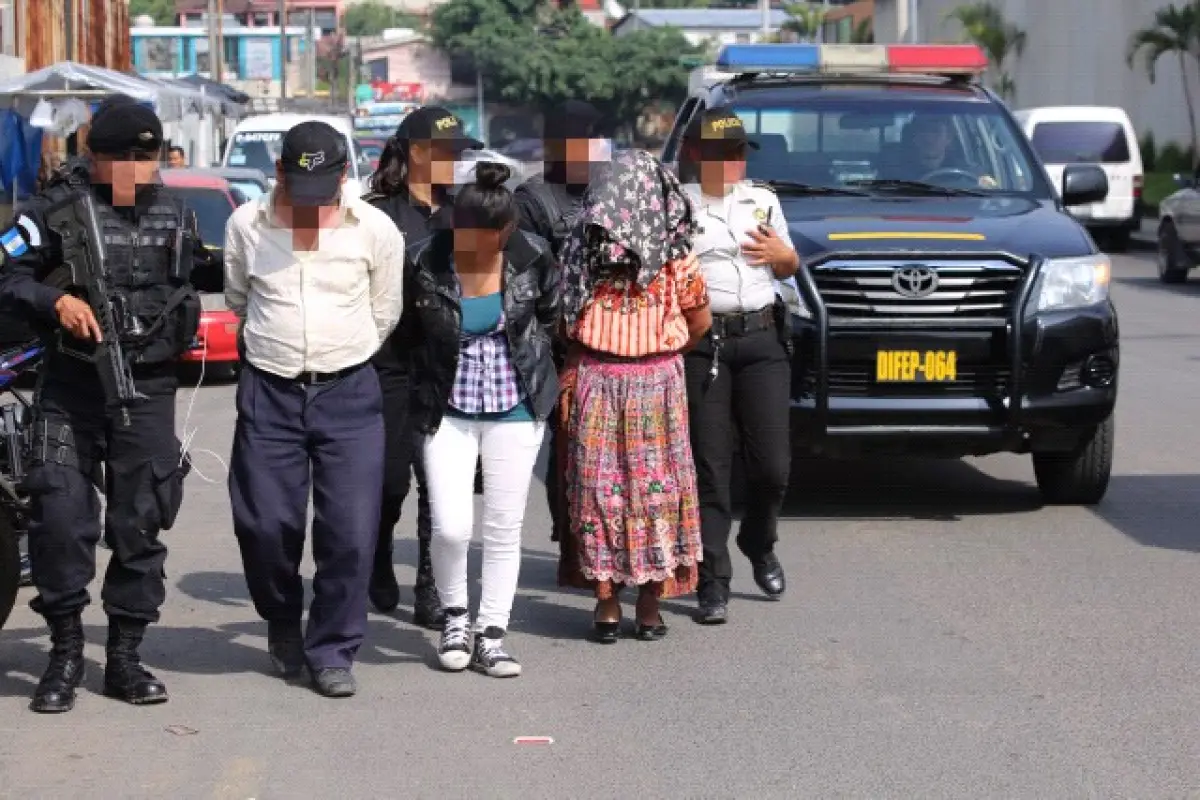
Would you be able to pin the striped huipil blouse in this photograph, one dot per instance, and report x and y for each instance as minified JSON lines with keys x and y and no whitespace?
{"x":623,"y":319}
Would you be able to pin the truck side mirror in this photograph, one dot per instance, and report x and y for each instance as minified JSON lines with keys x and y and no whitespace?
{"x":1083,"y":184}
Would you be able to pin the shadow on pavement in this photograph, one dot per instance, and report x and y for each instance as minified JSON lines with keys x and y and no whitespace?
{"x":1150,"y":282}
{"x":938,"y":490}
{"x":1155,"y":510}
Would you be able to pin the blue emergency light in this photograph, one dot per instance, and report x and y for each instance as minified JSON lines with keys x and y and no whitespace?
{"x":841,"y":59}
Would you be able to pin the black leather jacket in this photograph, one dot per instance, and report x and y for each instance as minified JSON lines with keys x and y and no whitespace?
{"x":532,"y":307}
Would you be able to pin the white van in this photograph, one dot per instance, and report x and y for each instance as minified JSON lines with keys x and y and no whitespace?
{"x":1063,"y":135}
{"x":257,"y":140}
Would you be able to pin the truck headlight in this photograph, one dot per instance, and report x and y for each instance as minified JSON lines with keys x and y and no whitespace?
{"x":1073,"y":282}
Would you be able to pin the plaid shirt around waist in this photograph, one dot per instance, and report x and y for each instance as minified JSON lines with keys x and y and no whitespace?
{"x":486,"y":381}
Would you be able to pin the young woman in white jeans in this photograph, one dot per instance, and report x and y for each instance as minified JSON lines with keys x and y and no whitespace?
{"x":487,"y":304}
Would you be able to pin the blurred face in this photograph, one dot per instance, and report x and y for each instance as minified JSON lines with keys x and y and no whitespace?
{"x":126,"y":173}
{"x":721,"y":164}
{"x":477,"y":242}
{"x":175,"y":159}
{"x":432,"y":162}
{"x":931,"y":139}
{"x":577,"y":157}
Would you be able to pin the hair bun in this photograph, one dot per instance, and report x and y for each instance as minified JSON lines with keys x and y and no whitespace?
{"x":490,"y":175}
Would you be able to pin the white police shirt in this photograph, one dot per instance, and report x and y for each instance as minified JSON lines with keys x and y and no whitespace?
{"x":724,"y":223}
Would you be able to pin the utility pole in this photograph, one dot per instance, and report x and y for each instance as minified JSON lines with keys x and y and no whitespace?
{"x":69,"y":30}
{"x":765,"y":7}
{"x":213,"y":39}
{"x":310,"y":54}
{"x":479,"y":107}
{"x":219,"y":53}
{"x":283,"y":50}
{"x":913,"y":21}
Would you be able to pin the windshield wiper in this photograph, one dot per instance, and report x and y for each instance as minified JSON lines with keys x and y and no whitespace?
{"x":796,"y":187}
{"x":916,"y":187}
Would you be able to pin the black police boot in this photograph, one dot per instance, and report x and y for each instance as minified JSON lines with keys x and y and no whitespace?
{"x":427,"y":606}
{"x":713,"y":604}
{"x":56,"y":691}
{"x":124,"y":676}
{"x":384,"y":590}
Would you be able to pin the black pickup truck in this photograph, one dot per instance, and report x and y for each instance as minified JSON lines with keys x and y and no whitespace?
{"x":947,"y":306}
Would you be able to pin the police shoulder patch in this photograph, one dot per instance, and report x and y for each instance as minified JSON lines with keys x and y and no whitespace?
{"x":29,"y":228}
{"x":13,"y":242}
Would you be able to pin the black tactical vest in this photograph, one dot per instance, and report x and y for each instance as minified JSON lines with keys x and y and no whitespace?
{"x":144,"y":264}
{"x":148,"y":268}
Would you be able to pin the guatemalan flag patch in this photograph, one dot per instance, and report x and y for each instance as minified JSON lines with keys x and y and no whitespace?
{"x":13,"y":242}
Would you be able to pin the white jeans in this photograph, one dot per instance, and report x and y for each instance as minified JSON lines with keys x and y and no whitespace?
{"x":509,"y":451}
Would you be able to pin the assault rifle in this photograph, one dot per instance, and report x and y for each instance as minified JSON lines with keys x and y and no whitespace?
{"x":78,"y":225}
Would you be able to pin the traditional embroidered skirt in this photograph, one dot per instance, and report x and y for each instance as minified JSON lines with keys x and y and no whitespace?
{"x":633,"y":513}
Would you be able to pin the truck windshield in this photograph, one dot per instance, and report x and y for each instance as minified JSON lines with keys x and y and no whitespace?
{"x":255,"y":150}
{"x":878,"y":142}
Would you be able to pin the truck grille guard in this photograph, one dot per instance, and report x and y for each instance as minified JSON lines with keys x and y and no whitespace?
{"x":811,"y":295}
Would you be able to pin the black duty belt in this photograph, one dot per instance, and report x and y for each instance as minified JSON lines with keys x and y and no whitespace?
{"x":727,"y":326}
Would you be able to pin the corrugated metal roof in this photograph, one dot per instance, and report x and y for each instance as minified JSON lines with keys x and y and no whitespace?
{"x":705,"y":18}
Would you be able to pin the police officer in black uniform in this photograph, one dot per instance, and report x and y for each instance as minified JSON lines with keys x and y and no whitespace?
{"x":152,"y":245}
{"x":411,"y":185}
{"x":547,"y":205}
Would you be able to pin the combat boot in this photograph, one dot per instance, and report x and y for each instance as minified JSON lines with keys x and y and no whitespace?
{"x":427,"y":606}
{"x":124,"y":676}
{"x":56,"y":690}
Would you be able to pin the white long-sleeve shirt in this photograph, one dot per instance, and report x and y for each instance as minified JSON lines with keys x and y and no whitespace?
{"x":313,"y":311}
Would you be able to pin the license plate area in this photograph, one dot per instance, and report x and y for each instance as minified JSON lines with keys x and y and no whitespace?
{"x":916,"y":366}
{"x":933,"y":364}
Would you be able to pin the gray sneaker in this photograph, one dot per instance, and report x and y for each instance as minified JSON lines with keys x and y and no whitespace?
{"x":490,"y":657}
{"x":454,"y":650}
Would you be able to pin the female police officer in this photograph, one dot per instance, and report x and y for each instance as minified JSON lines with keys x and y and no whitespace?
{"x":739,"y":375}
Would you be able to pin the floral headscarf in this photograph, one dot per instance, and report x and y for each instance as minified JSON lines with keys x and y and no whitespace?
{"x":634,"y":214}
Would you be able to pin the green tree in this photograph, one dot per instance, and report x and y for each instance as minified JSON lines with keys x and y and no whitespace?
{"x":985,"y":25}
{"x":163,"y":11}
{"x":803,"y":21}
{"x":1175,"y":32}
{"x":864,"y":32}
{"x":371,"y":18}
{"x":533,"y":53}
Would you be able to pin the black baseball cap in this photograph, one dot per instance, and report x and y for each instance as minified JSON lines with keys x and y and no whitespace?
{"x":314,"y":158}
{"x":718,"y":125}
{"x":574,"y":119}
{"x":434,"y":123}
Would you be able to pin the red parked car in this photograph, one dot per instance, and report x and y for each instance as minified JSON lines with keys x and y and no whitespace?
{"x":213,"y":200}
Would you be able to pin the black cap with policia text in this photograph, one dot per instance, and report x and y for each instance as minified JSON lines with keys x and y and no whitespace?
{"x":432,"y":123}
{"x":314,"y":159}
{"x":718,"y":125}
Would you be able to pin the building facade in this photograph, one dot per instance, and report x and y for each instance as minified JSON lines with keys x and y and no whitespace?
{"x":1074,"y":55}
{"x":251,"y":56}
{"x":700,"y":26}
{"x":37,"y":33}
{"x":265,"y":13}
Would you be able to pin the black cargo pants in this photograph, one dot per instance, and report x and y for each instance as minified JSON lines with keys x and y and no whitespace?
{"x":402,"y":460}
{"x":748,"y":395}
{"x":78,"y":447}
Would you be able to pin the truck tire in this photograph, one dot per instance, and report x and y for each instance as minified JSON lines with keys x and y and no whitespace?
{"x":1079,"y":477}
{"x":1170,"y":270}
{"x":10,"y":567}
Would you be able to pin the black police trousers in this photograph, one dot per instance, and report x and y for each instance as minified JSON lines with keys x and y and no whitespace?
{"x":748,"y":396}
{"x":77,"y":447}
{"x":402,"y":459}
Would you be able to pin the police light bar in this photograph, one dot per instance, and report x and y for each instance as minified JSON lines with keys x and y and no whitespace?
{"x":841,"y":59}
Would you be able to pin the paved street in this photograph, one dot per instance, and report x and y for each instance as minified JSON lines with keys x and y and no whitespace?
{"x":943,"y":636}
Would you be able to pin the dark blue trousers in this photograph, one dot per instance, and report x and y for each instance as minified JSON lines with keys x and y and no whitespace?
{"x":291,"y":437}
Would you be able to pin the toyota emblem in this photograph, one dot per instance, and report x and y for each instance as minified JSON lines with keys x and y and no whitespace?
{"x":915,"y":281}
